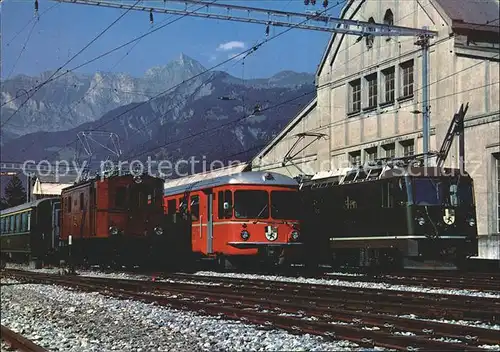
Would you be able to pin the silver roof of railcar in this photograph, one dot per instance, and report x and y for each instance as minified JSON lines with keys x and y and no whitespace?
{"x":29,"y":205}
{"x":241,"y":178}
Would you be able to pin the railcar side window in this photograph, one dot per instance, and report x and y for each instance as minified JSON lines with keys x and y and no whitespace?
{"x":81,"y":200}
{"x":225,"y":197}
{"x":195,"y":208}
{"x":24,"y":224}
{"x":12,"y":219}
{"x":18,"y":222}
{"x":69,"y":204}
{"x":29,"y":221}
{"x":2,"y":225}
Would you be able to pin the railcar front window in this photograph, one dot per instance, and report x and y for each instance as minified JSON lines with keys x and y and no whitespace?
{"x":428,"y":192}
{"x":465,"y":194}
{"x":251,"y":205}
{"x":284,"y":205}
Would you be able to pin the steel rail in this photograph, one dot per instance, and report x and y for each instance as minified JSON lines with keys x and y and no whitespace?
{"x":19,"y":342}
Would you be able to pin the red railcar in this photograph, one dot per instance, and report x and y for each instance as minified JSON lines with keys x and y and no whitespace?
{"x":112,"y":220}
{"x":235,"y":218}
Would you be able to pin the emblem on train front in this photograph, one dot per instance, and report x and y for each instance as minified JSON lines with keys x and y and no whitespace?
{"x":449,"y":216}
{"x":271,"y":233}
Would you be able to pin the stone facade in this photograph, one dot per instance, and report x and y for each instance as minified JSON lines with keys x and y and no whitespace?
{"x":369,"y":94}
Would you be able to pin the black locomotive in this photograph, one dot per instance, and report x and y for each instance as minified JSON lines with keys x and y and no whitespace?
{"x":390,"y":215}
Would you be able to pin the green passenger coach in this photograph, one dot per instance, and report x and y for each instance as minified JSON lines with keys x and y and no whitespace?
{"x":30,"y":231}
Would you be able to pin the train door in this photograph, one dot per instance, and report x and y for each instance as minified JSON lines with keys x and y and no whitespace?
{"x":196,"y":223}
{"x":56,"y":224}
{"x":209,"y":215}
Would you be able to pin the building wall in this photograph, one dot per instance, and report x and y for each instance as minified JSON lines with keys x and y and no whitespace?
{"x":457,"y":74}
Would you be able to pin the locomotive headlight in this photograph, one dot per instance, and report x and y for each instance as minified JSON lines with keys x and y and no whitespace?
{"x":113,"y":230}
{"x":158,"y":230}
{"x":421,"y":221}
{"x":471,"y":222}
{"x":245,"y":235}
{"x":294,"y":235}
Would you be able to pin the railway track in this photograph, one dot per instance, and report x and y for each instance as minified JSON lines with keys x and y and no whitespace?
{"x":479,"y":282}
{"x":446,"y":306}
{"x":19,"y":342}
{"x":335,"y":314}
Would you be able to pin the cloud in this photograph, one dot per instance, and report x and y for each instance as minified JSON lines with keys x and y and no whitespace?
{"x":231,"y":45}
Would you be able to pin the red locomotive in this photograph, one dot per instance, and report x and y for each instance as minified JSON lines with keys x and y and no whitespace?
{"x":236,"y":218}
{"x":112,"y":220}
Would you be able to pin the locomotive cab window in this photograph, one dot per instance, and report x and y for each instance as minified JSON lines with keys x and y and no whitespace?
{"x":81,"y":201}
{"x":121,"y":197}
{"x":251,"y":205}
{"x":195,"y":208}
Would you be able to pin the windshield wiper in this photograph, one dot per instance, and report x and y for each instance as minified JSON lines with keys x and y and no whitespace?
{"x":260,"y":213}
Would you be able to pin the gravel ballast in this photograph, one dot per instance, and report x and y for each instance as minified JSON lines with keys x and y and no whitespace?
{"x":64,"y":320}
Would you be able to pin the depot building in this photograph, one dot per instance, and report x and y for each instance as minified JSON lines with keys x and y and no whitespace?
{"x":369,"y":98}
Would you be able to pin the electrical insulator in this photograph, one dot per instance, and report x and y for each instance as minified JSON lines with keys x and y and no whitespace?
{"x":36,"y":7}
{"x":267,"y":30}
{"x":306,"y":2}
{"x":151,"y":16}
{"x":325,"y":3}
{"x":313,"y":2}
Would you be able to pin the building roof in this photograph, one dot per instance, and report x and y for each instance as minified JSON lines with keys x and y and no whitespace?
{"x":476,"y":12}
{"x":49,"y":188}
{"x":52,"y":178}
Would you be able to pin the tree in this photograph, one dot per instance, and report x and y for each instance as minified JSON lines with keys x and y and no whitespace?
{"x":3,"y":203}
{"x":15,"y":193}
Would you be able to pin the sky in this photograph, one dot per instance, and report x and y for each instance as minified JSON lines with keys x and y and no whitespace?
{"x":62,"y":30}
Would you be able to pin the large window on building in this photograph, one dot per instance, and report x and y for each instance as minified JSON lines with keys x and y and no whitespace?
{"x":355,"y":96}
{"x":408,"y":147}
{"x":371,"y":154}
{"x":355,"y":158}
{"x":407,"y":79}
{"x":370,"y":38}
{"x":371,"y":83}
{"x":388,"y":84}
{"x":389,"y":150}
{"x":389,"y":18}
